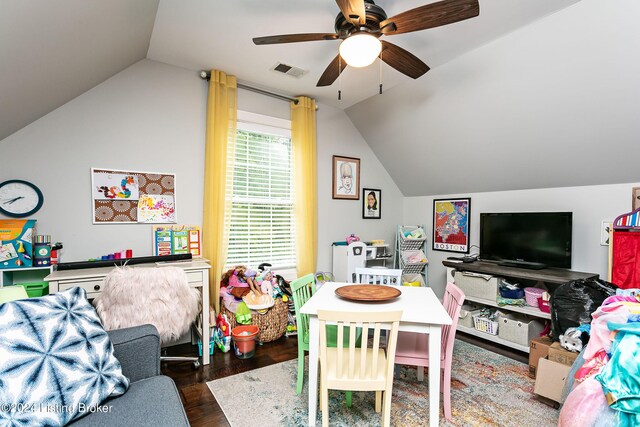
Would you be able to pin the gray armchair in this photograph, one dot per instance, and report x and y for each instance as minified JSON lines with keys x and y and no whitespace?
{"x":152,"y":398}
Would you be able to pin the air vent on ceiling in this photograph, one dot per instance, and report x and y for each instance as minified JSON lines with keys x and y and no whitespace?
{"x":289,"y":70}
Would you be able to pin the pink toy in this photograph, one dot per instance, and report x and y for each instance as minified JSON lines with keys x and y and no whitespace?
{"x":266,"y":282}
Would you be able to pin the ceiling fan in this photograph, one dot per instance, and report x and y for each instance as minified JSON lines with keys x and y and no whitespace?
{"x":361,"y":23}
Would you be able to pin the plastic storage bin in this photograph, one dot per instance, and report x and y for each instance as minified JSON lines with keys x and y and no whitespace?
{"x":409,"y":243}
{"x":412,"y":279}
{"x":35,"y":289}
{"x":484,"y":324}
{"x":474,"y":285}
{"x":212,"y":345}
{"x":520,"y":329}
{"x":511,"y":293}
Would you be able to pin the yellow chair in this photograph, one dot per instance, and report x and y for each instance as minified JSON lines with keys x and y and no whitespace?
{"x":12,"y":293}
{"x":358,"y":369}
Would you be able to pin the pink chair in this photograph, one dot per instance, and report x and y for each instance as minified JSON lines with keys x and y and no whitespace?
{"x":413,"y":349}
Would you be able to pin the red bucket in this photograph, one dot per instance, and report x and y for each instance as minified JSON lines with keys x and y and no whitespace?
{"x":244,"y":340}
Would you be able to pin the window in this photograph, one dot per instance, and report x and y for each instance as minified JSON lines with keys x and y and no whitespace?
{"x":262,"y":228}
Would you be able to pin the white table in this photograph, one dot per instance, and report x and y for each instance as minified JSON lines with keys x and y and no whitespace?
{"x":422,"y":313}
{"x":92,"y":279}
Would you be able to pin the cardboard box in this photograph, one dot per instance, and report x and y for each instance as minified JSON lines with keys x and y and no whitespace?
{"x":538,"y":349}
{"x":16,"y":242}
{"x":561,"y":355}
{"x":550,"y":379}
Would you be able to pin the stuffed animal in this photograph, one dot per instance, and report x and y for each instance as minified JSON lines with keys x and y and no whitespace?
{"x":574,"y":338}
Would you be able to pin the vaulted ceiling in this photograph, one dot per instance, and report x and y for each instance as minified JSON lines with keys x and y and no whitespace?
{"x":52,"y":51}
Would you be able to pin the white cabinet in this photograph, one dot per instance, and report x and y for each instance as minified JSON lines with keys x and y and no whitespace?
{"x":377,"y":255}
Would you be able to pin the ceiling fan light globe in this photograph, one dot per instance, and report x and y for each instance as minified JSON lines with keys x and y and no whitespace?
{"x":360,"y":50}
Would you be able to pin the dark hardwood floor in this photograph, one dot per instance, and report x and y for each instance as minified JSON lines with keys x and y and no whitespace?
{"x":200,"y":405}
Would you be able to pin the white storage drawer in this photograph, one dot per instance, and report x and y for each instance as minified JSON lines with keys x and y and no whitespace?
{"x":475,"y":285}
{"x":519,"y":328}
{"x":194,"y":276}
{"x":91,"y":285}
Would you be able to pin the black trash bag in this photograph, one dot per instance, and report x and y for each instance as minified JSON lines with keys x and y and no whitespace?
{"x":572,"y":303}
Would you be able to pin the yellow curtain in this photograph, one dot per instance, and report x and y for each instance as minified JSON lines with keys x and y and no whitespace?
{"x":303,"y":142}
{"x":219,"y":155}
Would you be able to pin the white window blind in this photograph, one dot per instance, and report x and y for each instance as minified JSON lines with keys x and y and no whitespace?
{"x":261,"y":228}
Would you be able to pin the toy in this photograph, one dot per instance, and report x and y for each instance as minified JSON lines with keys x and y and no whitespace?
{"x":266,"y":281}
{"x":575,"y":338}
{"x":222,"y":333}
{"x":240,"y":281}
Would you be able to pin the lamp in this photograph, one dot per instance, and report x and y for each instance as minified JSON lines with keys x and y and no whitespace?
{"x":360,"y":49}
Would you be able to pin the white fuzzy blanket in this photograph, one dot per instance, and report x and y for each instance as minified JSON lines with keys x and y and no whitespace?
{"x":158,"y":296}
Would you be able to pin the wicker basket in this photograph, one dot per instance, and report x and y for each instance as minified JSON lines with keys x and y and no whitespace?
{"x":272,"y":324}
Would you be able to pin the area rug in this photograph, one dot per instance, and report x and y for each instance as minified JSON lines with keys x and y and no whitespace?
{"x":487,"y":390}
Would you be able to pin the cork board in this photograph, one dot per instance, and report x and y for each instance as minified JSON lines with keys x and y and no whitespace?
{"x":132,"y":197}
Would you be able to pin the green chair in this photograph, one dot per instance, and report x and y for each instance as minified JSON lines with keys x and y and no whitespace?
{"x":12,"y":293}
{"x":302,"y":289}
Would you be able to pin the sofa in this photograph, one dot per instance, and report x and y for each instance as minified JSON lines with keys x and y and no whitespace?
{"x":152,"y":398}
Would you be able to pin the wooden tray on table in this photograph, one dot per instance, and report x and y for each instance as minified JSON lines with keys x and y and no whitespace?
{"x":368,"y":293}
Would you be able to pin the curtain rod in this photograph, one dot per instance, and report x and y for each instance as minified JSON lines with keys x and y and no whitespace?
{"x":206,"y":75}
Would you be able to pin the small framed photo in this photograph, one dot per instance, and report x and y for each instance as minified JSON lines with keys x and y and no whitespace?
{"x":451,"y":225}
{"x":371,"y":203}
{"x":635,"y":202}
{"x":346,"y":178}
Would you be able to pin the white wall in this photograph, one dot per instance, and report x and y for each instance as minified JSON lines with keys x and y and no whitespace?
{"x":553,"y":104}
{"x":590,"y":206}
{"x":151,"y":117}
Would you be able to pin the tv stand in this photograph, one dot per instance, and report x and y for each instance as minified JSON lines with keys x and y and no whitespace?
{"x":522,"y":264}
{"x":550,"y":276}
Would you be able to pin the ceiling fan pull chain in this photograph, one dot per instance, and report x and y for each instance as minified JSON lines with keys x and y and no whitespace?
{"x":339,"y":78}
{"x":380,"y":72}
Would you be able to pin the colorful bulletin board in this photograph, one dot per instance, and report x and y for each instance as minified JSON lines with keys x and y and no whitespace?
{"x":177,"y":239}
{"x":132,"y":197}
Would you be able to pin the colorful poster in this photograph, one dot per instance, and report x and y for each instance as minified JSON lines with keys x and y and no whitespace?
{"x":177,"y":239}
{"x":156,"y":208}
{"x":114,"y":186}
{"x":451,"y":225}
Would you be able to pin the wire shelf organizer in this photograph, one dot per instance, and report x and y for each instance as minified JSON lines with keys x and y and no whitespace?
{"x":410,"y":254}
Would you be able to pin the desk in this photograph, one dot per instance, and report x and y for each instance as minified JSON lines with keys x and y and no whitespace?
{"x":92,"y":279}
{"x":422,"y":313}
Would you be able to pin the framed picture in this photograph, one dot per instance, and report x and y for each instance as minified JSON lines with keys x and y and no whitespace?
{"x":635,"y":203}
{"x":346,"y":178}
{"x":451,"y":225}
{"x":371,"y":203}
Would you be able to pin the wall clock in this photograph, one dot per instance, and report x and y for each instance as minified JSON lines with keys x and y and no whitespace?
{"x":19,"y":198}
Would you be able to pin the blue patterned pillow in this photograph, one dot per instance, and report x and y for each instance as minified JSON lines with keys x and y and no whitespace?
{"x":56,"y":360}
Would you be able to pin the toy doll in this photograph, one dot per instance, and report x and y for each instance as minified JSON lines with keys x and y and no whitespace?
{"x":265,"y":280}
{"x":240,"y":281}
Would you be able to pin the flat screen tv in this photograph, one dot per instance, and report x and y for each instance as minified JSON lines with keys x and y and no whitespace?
{"x":527,"y":239}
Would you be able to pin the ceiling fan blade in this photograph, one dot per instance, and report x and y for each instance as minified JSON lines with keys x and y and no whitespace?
{"x":430,"y":16}
{"x":332,"y":72}
{"x":293,"y":38}
{"x":353,"y":10}
{"x":402,"y":60}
